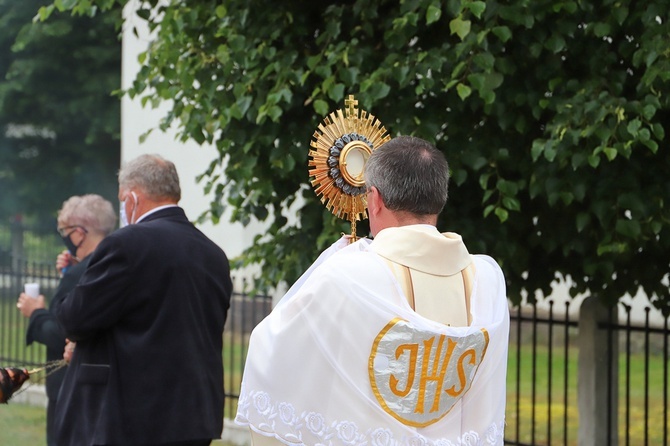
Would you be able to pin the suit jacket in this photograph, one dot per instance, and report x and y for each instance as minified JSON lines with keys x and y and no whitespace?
{"x":43,"y":326}
{"x":45,"y":329}
{"x":148,"y":317}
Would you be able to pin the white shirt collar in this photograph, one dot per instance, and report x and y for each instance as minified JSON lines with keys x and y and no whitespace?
{"x":155,"y":210}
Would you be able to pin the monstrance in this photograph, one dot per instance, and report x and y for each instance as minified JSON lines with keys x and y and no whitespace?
{"x":342,"y":144}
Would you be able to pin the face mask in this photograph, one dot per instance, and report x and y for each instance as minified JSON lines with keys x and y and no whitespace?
{"x":123,"y":218}
{"x":67,"y":241}
{"x":69,"y":244}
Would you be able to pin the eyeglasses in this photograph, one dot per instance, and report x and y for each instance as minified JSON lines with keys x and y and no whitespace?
{"x":62,"y":231}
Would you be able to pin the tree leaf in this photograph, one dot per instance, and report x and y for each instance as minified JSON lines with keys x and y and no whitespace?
{"x":476,"y":8}
{"x":651,"y":144}
{"x":628,"y":228}
{"x":485,"y":61}
{"x":502,"y":32}
{"x":460,"y":27}
{"x":463,"y":91}
{"x":336,"y":92}
{"x":321,"y":107}
{"x":582,"y":220}
{"x":601,"y":29}
{"x":511,"y":203}
{"x":658,"y":130}
{"x":633,"y":126}
{"x":433,"y":13}
{"x":379,"y":90}
{"x":502,"y":214}
{"x":610,"y":152}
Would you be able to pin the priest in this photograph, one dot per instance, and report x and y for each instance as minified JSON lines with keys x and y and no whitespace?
{"x":398,"y":340}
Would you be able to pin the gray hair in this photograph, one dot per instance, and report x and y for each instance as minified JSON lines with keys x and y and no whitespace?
{"x":154,"y":175}
{"x":410,"y":174}
{"x":90,"y":211}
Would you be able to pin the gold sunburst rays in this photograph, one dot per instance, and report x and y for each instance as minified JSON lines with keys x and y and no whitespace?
{"x":341,"y":146}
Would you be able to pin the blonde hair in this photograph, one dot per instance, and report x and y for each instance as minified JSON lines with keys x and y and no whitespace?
{"x":90,"y":211}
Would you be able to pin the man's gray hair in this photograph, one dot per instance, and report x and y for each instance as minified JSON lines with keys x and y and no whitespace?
{"x":410,"y":174}
{"x":154,"y":175}
{"x":90,"y":211}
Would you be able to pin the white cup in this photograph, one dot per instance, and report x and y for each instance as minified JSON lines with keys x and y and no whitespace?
{"x":32,"y":290}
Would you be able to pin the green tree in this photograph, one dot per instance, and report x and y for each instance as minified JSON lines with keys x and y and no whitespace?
{"x":60,"y":124}
{"x":551,"y":113}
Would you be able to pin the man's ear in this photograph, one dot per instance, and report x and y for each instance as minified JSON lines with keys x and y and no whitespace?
{"x":374,"y":201}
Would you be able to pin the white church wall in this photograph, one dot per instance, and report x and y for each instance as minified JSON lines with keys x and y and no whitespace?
{"x":190,"y":158}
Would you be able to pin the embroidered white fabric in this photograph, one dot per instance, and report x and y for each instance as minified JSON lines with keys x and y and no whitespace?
{"x":307,"y":379}
{"x":282,"y":417}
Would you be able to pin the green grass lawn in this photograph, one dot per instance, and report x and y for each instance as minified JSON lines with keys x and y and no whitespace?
{"x":24,"y":425}
{"x":533,"y":423}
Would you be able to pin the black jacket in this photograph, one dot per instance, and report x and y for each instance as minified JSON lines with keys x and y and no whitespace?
{"x":148,"y":317}
{"x":43,"y":326}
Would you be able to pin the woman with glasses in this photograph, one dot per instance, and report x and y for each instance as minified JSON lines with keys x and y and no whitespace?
{"x":83,"y":221}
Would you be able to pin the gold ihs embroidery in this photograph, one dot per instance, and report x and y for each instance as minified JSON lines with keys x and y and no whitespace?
{"x":418,"y":376}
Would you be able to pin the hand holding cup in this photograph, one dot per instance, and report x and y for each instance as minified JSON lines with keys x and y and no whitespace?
{"x":30,"y":300}
{"x":32,"y":290}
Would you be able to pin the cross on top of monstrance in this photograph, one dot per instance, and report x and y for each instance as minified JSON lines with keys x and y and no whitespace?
{"x":342,"y":144}
{"x":351,"y":104}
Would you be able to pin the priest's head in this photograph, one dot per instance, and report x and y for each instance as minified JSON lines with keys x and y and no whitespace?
{"x":407,"y":183}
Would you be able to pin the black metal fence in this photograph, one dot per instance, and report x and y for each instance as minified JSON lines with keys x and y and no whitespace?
{"x":246,"y":311}
{"x":540,"y":380}
{"x":25,"y":256}
{"x":644,"y":347}
{"x":543,"y":405}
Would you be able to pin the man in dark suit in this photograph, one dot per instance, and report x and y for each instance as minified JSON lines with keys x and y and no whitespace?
{"x":147,"y":318}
